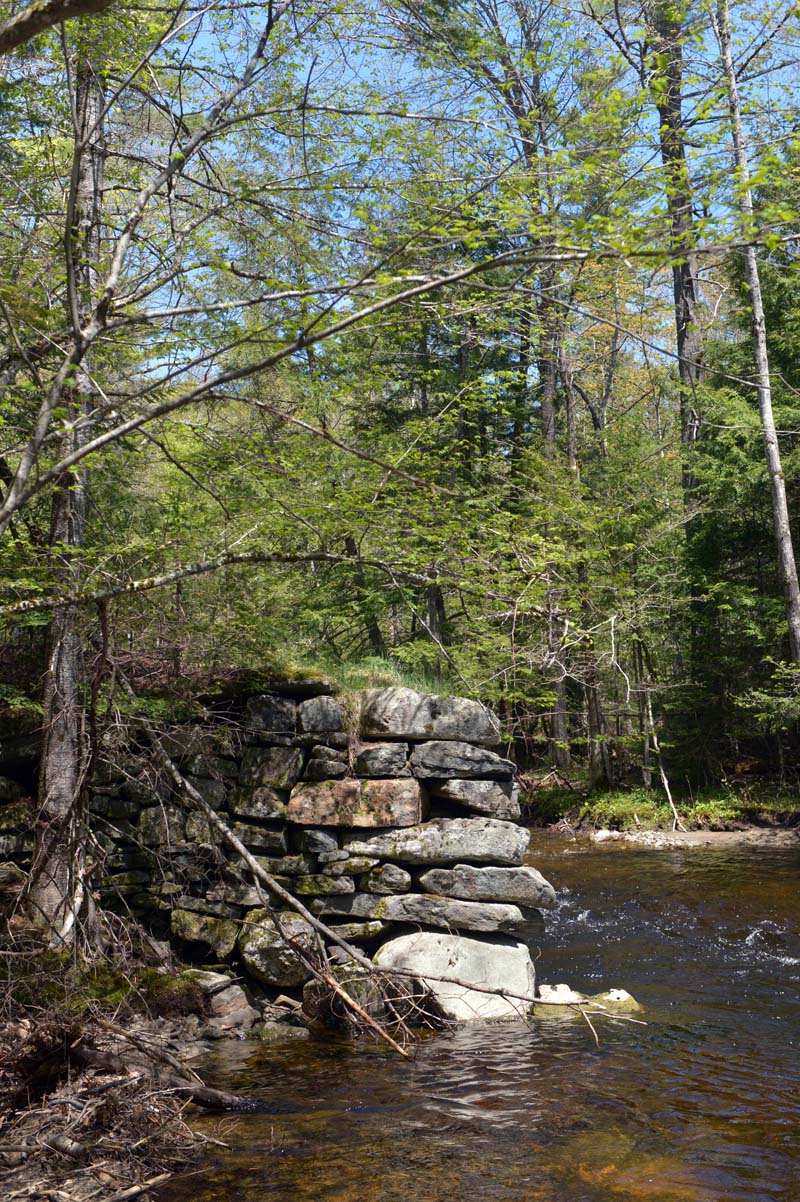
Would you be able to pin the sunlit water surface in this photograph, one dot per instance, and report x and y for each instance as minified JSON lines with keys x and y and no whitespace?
{"x":701,"y":1105}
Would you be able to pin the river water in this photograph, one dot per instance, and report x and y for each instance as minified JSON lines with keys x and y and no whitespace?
{"x":700,"y":1105}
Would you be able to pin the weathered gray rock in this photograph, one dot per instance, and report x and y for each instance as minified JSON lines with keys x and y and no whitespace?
{"x":456,"y":759}
{"x":216,"y":767}
{"x":260,"y":838}
{"x":213,"y":792}
{"x":160,"y":825}
{"x":496,"y":963}
{"x":332,"y":739}
{"x":217,"y":934}
{"x":316,"y":843}
{"x":183,"y":742}
{"x":275,"y":767}
{"x":319,"y":768}
{"x":324,"y":752}
{"x":10,"y":790}
{"x":10,"y":875}
{"x":265,"y":952}
{"x":349,"y":866}
{"x":278,"y":1032}
{"x":320,"y":714}
{"x":321,"y":886}
{"x":335,"y":856}
{"x":382,"y":759}
{"x":425,"y":910}
{"x":300,"y":865}
{"x":360,"y":803}
{"x":520,"y":886}
{"x":500,"y":799}
{"x":230,"y":1009}
{"x":113,"y":807}
{"x":402,"y":713}
{"x":278,"y":715}
{"x":389,"y":878}
{"x":447,"y":840}
{"x":199,"y":905}
{"x":262,"y":802}
{"x":209,"y":982}
{"x":357,"y":932}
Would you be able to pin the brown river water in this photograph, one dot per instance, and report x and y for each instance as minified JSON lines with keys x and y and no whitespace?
{"x":701,"y":1105}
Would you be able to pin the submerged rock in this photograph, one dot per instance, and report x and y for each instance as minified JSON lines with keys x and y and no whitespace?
{"x":497,"y":963}
{"x":556,"y":1000}
{"x":448,"y":840}
{"x":520,"y":886}
{"x":402,"y":713}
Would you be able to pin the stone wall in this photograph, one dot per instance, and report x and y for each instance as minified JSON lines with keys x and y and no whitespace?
{"x":397,"y":823}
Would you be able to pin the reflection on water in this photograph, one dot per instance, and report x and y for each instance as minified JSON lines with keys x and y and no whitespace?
{"x":702,"y":1105}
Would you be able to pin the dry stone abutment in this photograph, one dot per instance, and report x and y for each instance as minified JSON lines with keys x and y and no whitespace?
{"x":403,"y":837}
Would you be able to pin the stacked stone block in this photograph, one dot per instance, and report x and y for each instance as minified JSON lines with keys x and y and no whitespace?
{"x":397,"y":822}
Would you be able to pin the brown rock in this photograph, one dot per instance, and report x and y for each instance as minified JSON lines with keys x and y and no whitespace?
{"x":359,"y":803}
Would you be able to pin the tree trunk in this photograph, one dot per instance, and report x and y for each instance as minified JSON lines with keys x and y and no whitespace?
{"x":59,"y":897}
{"x":667,"y":35}
{"x":780,"y":510}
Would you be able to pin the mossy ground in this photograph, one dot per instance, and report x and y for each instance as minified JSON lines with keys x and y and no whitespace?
{"x":648,"y":809}
{"x":58,"y":981}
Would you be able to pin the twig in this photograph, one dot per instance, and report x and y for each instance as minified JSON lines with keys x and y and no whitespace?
{"x":136,"y":1191}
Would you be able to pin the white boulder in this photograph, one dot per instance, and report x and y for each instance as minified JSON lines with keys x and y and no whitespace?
{"x":497,"y":963}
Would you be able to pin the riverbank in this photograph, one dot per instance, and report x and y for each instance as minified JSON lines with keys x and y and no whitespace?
{"x":744,"y":813}
{"x":96,"y":1071}
{"x":673,"y":840}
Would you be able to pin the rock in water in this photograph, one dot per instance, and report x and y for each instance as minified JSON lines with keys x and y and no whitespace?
{"x":520,"y":886}
{"x":401,"y":713}
{"x":441,"y":759}
{"x":495,"y":962}
{"x":446,"y":841}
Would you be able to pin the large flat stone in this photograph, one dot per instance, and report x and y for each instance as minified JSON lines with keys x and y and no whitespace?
{"x":424,"y":910}
{"x":265,"y":951}
{"x":440,"y":758}
{"x":500,"y":799}
{"x":519,"y":886}
{"x":447,"y":841}
{"x":359,"y":803}
{"x":497,"y":963}
{"x":401,"y":713}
